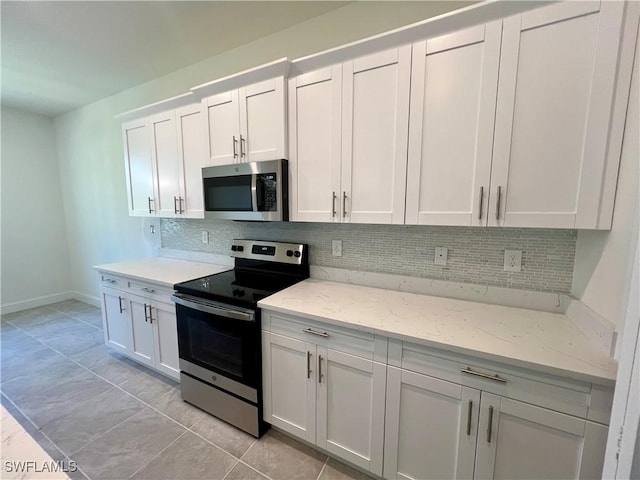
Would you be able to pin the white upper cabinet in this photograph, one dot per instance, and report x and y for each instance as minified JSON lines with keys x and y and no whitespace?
{"x":558,"y":71}
{"x":349,"y":127}
{"x":191,"y":159}
{"x":164,"y":152}
{"x":247,"y":125}
{"x":515,"y":123}
{"x":315,"y":133}
{"x":164,"y":155}
{"x":139,"y":168}
{"x":375,"y":117}
{"x":454,"y":79}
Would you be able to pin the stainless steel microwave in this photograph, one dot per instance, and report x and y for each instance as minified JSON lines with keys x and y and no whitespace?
{"x":247,"y":191}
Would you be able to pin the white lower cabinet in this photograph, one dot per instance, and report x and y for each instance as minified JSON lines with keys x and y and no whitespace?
{"x":517,"y":440}
{"x":437,"y":429}
{"x":115,"y":320}
{"x":142,"y":325}
{"x":330,"y":398}
{"x":431,"y":427}
{"x":406,"y":411}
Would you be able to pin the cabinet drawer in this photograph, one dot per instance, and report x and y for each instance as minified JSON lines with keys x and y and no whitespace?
{"x":150,"y":290}
{"x":560,"y":394}
{"x":114,"y":281}
{"x":361,"y":344}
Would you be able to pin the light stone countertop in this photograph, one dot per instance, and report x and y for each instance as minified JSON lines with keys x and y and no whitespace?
{"x":162,"y":271}
{"x":541,"y":341}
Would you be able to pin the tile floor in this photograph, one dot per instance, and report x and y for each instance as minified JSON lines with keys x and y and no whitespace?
{"x":81,"y":401}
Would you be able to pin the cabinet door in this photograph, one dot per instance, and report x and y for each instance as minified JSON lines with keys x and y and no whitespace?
{"x":431,"y":427}
{"x":263,"y":121}
{"x":516,"y":440}
{"x":557,"y":80}
{"x":191,"y":159}
{"x":350,"y":417}
{"x":142,"y":346}
{"x":222,"y":130}
{"x":164,"y":151}
{"x":375,"y":118}
{"x":165,"y":335}
{"x":289,"y":385}
{"x":453,"y":96}
{"x":136,"y":138}
{"x":115,"y":321}
{"x":315,"y":105}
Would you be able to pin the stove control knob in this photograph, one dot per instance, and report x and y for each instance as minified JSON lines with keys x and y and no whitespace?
{"x":296,"y":254}
{"x":234,"y":248}
{"x":240,"y":248}
{"x":289,"y":253}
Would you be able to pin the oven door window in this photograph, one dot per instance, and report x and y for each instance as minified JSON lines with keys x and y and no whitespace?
{"x":228,"y":194}
{"x":227,"y":346}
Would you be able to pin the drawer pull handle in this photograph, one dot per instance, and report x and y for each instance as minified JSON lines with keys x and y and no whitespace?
{"x":490,"y":424}
{"x":109,"y":280}
{"x":308,"y":365}
{"x":469,"y":418}
{"x":495,"y":377}
{"x":313,"y":332}
{"x":148,"y":290}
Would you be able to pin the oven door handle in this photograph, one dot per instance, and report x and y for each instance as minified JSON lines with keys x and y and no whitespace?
{"x":214,"y":308}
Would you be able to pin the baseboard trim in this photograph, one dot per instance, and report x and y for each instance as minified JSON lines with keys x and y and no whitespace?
{"x":35,"y":302}
{"x":83,"y":297}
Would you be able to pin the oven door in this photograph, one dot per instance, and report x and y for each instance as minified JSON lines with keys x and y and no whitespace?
{"x":219,"y":344}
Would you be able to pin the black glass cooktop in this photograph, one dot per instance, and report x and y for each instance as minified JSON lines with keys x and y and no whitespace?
{"x":237,"y":287}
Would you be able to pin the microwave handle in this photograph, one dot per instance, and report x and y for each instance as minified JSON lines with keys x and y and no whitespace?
{"x":254,"y":192}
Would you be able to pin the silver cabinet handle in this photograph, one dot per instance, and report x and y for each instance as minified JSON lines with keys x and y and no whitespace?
{"x":150,"y":314}
{"x":120,"y":304}
{"x":150,"y":200}
{"x":490,"y":424}
{"x":308,"y":364}
{"x":498,"y":203}
{"x":148,"y":290}
{"x":314,"y":332}
{"x":481,"y":197}
{"x":242,"y":144}
{"x":110,"y":280}
{"x":235,"y":151}
{"x":344,"y":204}
{"x":495,"y":377}
{"x":181,"y":203}
{"x":319,"y":368}
{"x":469,"y":414}
{"x":146,"y":315}
{"x":175,"y":205}
{"x":333,"y":205}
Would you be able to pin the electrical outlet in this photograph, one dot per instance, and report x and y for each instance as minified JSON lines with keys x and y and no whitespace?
{"x":205,"y":237}
{"x":513,"y":260}
{"x":440,"y":257}
{"x":336,"y":248}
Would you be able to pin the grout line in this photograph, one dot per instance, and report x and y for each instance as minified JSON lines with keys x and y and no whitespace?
{"x":229,"y":471}
{"x":323,"y":468}
{"x":158,"y":454}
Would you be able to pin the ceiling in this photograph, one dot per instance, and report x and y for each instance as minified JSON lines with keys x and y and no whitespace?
{"x":60,"y":55}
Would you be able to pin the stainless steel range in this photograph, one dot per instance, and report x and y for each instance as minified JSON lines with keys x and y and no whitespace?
{"x":219,"y":329}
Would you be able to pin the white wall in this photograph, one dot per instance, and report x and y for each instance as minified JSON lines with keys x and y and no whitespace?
{"x":90,"y":144}
{"x":35,"y":258}
{"x":603,"y":261}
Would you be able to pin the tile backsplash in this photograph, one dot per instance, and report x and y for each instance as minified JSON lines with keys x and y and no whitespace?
{"x":475,"y":255}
